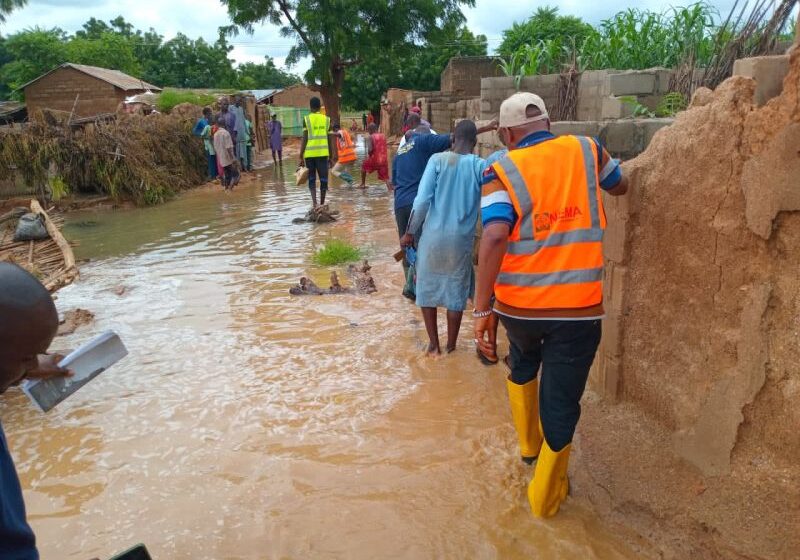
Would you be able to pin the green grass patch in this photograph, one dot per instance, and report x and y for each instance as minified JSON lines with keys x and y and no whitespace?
{"x":336,"y":251}
{"x":170,"y":98}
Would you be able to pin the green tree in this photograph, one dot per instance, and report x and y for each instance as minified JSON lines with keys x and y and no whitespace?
{"x":263,"y":75}
{"x":33,"y":52}
{"x":416,"y":67}
{"x":343,"y":34}
{"x":543,"y":26}
{"x":109,"y":50}
{"x":8,"y":6}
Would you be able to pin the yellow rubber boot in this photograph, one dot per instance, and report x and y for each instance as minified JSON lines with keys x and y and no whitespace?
{"x":550,"y":484}
{"x":524,"y":400}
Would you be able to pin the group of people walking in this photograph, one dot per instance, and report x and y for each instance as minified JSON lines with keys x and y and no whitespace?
{"x":540,"y":263}
{"x":323,"y":144}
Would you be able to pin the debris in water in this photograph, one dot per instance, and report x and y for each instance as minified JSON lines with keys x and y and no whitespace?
{"x":73,"y":319}
{"x":319,"y":215}
{"x":362,"y":280}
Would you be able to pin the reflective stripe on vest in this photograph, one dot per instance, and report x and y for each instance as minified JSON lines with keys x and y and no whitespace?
{"x":554,"y":256}
{"x":317,"y":126}
{"x":347,"y":150}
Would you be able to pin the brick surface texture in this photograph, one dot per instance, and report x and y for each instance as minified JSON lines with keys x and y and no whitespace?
{"x":58,"y":90}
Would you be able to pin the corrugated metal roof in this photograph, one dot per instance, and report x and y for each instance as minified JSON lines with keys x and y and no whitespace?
{"x":260,"y":94}
{"x":113,"y":77}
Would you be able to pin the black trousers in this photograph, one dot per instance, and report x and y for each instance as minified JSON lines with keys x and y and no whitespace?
{"x":565,"y":351}
{"x":317,"y":166}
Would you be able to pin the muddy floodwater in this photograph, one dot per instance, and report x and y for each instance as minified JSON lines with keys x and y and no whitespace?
{"x":248,"y":423}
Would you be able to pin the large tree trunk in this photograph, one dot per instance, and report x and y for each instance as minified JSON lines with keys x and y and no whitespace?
{"x":330,"y":98}
{"x":330,"y":90}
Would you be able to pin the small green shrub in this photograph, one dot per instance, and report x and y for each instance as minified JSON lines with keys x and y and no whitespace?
{"x":336,"y":251}
{"x":58,"y":187}
{"x":170,"y":98}
{"x":639,"y":110}
{"x":671,"y":104}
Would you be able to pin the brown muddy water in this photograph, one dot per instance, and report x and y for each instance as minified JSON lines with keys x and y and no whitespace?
{"x":247,"y":423}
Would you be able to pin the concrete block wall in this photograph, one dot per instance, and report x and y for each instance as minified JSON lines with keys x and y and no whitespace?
{"x":462,"y":76}
{"x":768,"y":72}
{"x":599,"y":92}
{"x":624,"y":139}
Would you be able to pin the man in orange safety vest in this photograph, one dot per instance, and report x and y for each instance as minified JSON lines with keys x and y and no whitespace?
{"x":541,"y":258}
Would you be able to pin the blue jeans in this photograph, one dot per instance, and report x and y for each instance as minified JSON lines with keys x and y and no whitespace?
{"x":565,"y":351}
{"x":212,"y":165}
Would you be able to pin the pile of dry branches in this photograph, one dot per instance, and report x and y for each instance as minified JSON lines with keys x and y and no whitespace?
{"x":143,"y":158}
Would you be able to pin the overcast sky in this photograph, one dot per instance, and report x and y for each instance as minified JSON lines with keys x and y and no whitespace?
{"x":202,"y":18}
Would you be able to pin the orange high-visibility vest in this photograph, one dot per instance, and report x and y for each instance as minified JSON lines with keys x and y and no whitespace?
{"x":554,"y":258}
{"x":347,"y":150}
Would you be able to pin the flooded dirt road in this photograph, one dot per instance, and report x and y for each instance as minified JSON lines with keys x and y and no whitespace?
{"x":247,"y":423}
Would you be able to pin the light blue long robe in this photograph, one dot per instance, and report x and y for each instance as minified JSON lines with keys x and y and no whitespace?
{"x":446,"y":210}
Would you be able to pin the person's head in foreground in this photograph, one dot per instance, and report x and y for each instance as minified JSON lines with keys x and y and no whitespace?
{"x":413,"y":120}
{"x":221,"y":123}
{"x":207,"y":113}
{"x":521,"y":114}
{"x":224,"y":103}
{"x":28,"y":323}
{"x":315,"y":104}
{"x":372,"y":128}
{"x":465,"y":137}
{"x":336,"y":127}
{"x":275,"y":116}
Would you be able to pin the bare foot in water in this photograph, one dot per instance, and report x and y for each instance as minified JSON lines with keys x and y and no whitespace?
{"x":450,"y":349}
{"x":433,"y":351}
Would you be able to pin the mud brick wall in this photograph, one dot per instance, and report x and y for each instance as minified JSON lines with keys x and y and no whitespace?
{"x":462,"y":75}
{"x":57,"y":91}
{"x":294,"y":96}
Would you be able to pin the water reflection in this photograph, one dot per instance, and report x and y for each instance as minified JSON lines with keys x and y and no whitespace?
{"x":246,"y":423}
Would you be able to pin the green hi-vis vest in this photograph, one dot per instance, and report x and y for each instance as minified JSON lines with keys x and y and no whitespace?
{"x":317,"y":126}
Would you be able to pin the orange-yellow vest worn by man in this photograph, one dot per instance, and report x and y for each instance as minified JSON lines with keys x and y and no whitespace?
{"x":549,"y":291}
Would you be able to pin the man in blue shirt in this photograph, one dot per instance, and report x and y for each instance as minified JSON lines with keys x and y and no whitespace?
{"x":28,"y":323}
{"x":409,"y":165}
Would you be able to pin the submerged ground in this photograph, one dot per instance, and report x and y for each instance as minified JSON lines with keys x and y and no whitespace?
{"x":247,"y":423}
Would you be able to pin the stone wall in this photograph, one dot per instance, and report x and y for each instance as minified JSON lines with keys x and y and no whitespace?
{"x":462,"y":76}
{"x":58,"y":90}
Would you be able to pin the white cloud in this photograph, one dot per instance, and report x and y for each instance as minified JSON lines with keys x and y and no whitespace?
{"x":203,"y":17}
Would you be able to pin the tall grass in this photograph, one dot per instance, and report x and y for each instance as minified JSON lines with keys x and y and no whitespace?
{"x":633,"y":39}
{"x":336,"y":251}
{"x":170,"y":98}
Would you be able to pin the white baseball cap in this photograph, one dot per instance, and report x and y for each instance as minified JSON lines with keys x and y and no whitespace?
{"x":513,"y":111}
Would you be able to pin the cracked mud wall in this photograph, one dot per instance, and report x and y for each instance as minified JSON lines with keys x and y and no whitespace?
{"x":701,"y":349}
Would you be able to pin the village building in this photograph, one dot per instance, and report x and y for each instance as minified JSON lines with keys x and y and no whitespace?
{"x":83,"y":90}
{"x":297,"y":95}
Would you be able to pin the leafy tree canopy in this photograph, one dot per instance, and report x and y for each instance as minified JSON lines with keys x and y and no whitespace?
{"x":416,"y":67}
{"x":179,"y":62}
{"x":544,"y":25}
{"x":8,"y":6}
{"x":338,"y":36}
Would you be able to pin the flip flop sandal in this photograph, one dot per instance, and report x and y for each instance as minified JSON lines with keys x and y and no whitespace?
{"x":486,"y":360}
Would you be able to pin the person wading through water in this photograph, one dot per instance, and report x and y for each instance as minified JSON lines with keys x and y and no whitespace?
{"x":316,"y":150}
{"x":345,"y":154}
{"x":447,"y":203}
{"x":541,"y":254}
